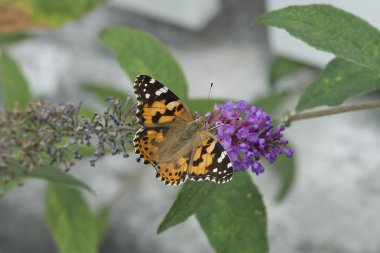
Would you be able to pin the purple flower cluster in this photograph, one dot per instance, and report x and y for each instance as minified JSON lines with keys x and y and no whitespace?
{"x":247,"y":134}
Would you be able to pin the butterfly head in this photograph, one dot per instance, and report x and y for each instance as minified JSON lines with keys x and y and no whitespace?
{"x":200,"y":121}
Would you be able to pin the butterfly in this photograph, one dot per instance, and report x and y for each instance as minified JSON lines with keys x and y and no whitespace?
{"x":173,"y":141}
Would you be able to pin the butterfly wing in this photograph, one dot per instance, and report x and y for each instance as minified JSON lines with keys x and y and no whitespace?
{"x":156,"y":104}
{"x":147,"y":142}
{"x":210,"y":161}
{"x":158,"y":111}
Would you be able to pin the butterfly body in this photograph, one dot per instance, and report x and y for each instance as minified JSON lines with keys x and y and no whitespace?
{"x":173,"y":141}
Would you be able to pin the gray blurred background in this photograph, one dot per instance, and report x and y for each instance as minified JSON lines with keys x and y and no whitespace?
{"x":334,"y":205}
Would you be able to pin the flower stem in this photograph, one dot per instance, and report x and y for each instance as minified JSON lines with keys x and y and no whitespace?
{"x":336,"y":110}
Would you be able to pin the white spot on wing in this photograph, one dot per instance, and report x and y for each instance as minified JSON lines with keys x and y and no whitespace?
{"x":215,"y":170}
{"x":220,"y":159}
{"x":162,"y":90}
{"x":147,"y":95}
{"x":152,"y":80}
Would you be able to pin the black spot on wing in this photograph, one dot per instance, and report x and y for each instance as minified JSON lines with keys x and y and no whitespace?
{"x":200,"y":159}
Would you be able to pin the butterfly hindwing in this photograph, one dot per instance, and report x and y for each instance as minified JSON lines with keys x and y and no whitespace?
{"x":156,"y":104}
{"x":175,"y":172}
{"x":147,"y":141}
{"x":210,"y":161}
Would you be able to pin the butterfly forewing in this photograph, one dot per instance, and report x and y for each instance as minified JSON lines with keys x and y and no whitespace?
{"x":156,"y":104}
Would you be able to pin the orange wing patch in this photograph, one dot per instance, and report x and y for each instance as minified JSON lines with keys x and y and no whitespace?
{"x":202,"y":159}
{"x":146,"y":143}
{"x":159,"y":112}
{"x":210,"y":161}
{"x":173,"y":173}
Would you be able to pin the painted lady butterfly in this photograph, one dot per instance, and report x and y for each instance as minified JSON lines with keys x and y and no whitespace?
{"x":173,"y":141}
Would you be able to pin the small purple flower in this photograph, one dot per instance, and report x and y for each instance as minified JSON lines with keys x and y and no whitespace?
{"x":247,"y":134}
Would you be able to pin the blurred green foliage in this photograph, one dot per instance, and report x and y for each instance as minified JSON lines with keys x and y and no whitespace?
{"x":15,"y":89}
{"x":74,"y":227}
{"x":282,"y":67}
{"x":351,"y":39}
{"x":57,"y":12}
{"x":140,"y":53}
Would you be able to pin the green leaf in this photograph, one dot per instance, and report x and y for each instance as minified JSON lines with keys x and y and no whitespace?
{"x":103,"y":91}
{"x":101,"y":220}
{"x":282,"y":67}
{"x":57,"y":176}
{"x":234,"y":217}
{"x":140,"y":53}
{"x":330,"y":29}
{"x":46,"y":172}
{"x":57,"y":12}
{"x":339,"y":81}
{"x":16,"y":91}
{"x":272,"y":102}
{"x":191,"y":196}
{"x":202,"y":106}
{"x":6,"y":39}
{"x":70,"y":220}
{"x":287,"y":172}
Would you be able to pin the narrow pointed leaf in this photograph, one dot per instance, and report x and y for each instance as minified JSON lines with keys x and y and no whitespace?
{"x":329,"y":29}
{"x":140,"y":53}
{"x":49,"y":173}
{"x":287,"y":172}
{"x":57,"y":176}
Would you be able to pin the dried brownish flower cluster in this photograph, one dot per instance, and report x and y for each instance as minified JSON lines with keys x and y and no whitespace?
{"x":46,"y":134}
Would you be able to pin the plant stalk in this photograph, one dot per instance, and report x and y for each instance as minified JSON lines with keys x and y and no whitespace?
{"x":330,"y":111}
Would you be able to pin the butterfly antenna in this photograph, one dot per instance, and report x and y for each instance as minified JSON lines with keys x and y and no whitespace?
{"x":214,"y":127}
{"x":209,"y":92}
